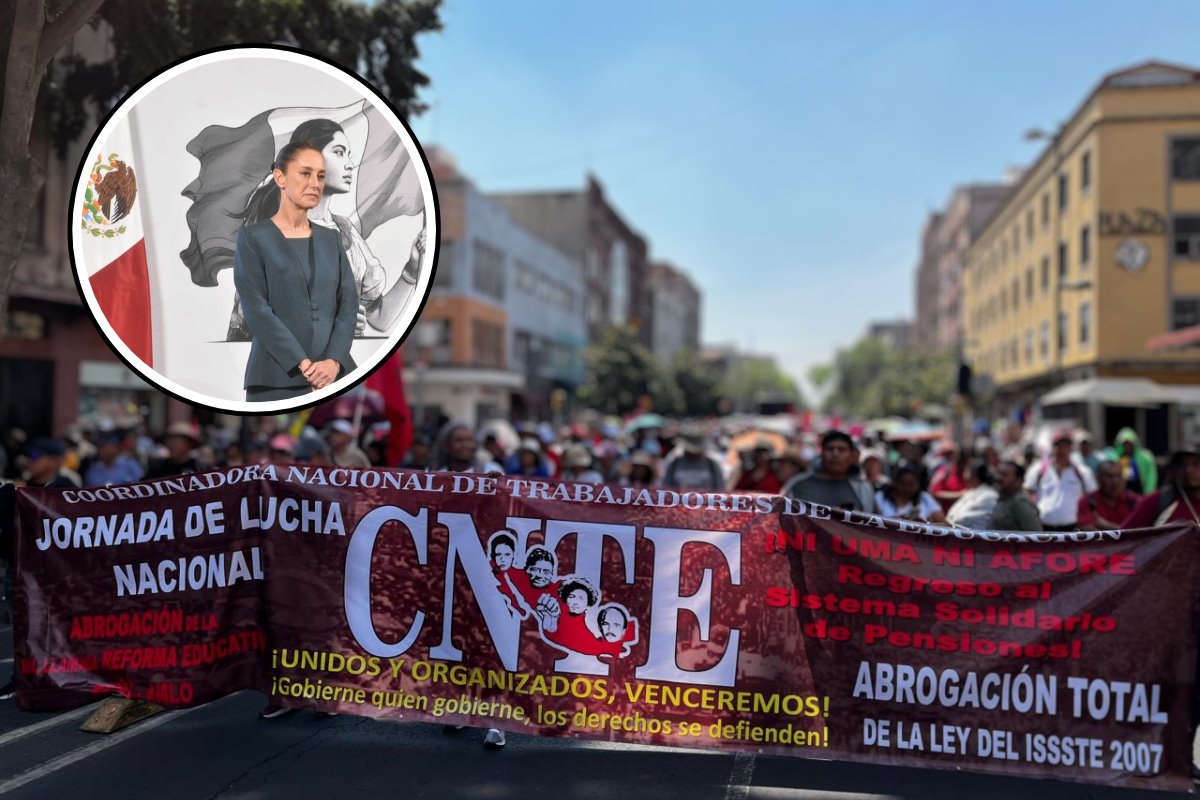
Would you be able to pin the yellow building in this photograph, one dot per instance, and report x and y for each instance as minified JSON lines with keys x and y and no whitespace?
{"x":1096,"y":251}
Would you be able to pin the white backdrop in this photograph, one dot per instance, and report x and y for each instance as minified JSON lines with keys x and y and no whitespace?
{"x":191,"y":321}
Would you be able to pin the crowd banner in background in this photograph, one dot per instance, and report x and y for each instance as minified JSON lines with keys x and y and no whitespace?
{"x":728,"y":621}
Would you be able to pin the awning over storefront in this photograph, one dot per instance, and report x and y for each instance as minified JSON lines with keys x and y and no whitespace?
{"x":1175,"y":340}
{"x":1111,"y":392}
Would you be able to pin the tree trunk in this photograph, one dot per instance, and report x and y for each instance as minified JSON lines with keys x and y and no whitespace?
{"x":21,"y":179}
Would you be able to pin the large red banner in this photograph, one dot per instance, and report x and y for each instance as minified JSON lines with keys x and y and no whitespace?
{"x":732,"y":621}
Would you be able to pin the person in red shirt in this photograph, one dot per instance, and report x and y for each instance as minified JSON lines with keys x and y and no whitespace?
{"x":565,"y":623}
{"x":1108,"y":506}
{"x":1178,"y":501}
{"x":502,"y":547}
{"x":759,"y":477}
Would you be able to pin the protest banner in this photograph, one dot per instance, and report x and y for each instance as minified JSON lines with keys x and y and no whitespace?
{"x":710,"y":620}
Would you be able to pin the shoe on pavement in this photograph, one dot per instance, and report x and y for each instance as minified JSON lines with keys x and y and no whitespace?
{"x":493,"y":739}
{"x":272,"y":711}
{"x":8,"y":691}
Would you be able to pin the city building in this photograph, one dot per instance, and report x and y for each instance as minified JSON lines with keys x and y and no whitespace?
{"x":584,"y":225}
{"x":925,"y":290}
{"x":896,"y":333}
{"x":674,"y":320}
{"x":55,"y":368}
{"x":947,"y":236}
{"x":1095,"y":252}
{"x":503,"y":329}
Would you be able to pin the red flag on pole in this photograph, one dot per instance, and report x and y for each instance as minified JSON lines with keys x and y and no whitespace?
{"x":388,"y":380}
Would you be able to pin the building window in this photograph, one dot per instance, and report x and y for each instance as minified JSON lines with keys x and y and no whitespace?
{"x":1045,"y":274}
{"x":1085,"y":246}
{"x":1185,"y":159}
{"x":1085,"y":324}
{"x":1014,"y":353}
{"x":1185,"y":312}
{"x":1045,"y":210}
{"x":487,"y":344}
{"x":487,"y":274}
{"x":1029,"y":225}
{"x":1029,"y":285}
{"x":1063,"y":186}
{"x":1016,"y":239}
{"x":1003,"y":250}
{"x":1044,"y":341}
{"x":1028,"y":346}
{"x":1187,"y":238}
{"x":1062,"y":261}
{"x":1085,"y":172}
{"x":1062,"y":332}
{"x":444,"y":277}
{"x":526,"y":278}
{"x":1016,"y":293}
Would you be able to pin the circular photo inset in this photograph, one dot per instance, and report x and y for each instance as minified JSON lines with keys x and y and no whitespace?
{"x":256,"y":229}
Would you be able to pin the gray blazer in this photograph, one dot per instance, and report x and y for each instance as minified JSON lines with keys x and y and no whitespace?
{"x":288,"y":322}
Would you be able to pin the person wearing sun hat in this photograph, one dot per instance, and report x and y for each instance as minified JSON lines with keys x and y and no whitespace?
{"x":180,"y":441}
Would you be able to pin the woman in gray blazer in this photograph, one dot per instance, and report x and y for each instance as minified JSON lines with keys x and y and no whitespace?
{"x":296,"y":287}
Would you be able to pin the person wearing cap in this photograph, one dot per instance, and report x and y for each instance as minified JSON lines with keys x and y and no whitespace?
{"x":312,"y":450}
{"x":692,"y":468}
{"x":1086,"y":453}
{"x":1058,"y":483}
{"x":759,"y":477}
{"x":527,"y":462}
{"x":343,"y":450}
{"x":180,"y":442}
{"x":577,"y":466}
{"x":282,"y":450}
{"x":111,"y":466}
{"x":873,"y":468}
{"x":833,"y":484}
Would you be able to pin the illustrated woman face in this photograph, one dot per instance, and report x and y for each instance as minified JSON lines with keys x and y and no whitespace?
{"x":502,"y":556}
{"x":577,"y":601}
{"x":339,"y":168}
{"x":303,"y":182}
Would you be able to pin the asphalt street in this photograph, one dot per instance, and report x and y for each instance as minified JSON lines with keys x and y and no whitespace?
{"x":222,"y":751}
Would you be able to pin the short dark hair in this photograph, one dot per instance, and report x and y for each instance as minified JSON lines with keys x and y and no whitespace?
{"x":1180,"y":457}
{"x":573,"y":583}
{"x":980,"y":470}
{"x":604,"y":611}
{"x":1108,"y":465}
{"x":537,"y":554}
{"x":499,"y":538}
{"x":1017,"y":468}
{"x":837,"y":436}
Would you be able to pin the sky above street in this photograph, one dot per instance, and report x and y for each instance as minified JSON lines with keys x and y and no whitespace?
{"x":784,"y":154}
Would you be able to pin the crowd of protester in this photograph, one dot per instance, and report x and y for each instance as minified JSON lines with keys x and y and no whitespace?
{"x":1010,"y":482}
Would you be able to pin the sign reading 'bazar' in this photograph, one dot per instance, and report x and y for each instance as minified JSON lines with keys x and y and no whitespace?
{"x":741,"y":622}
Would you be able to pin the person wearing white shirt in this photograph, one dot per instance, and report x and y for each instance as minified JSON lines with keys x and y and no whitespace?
{"x":1058,"y":483}
{"x":903,"y":498}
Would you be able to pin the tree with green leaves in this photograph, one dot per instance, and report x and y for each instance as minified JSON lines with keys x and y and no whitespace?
{"x":621,"y":370}
{"x":697,"y":382}
{"x":376,"y":39}
{"x":873,"y":379}
{"x":751,"y":380}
